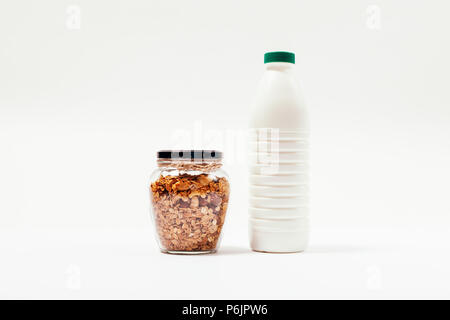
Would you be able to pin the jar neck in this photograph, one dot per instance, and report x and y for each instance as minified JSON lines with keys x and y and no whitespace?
{"x":190,"y":165}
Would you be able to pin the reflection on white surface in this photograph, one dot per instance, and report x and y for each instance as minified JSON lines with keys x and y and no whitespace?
{"x":126,"y":263}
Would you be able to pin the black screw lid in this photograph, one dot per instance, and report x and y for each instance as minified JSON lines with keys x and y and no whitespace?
{"x":189,"y":154}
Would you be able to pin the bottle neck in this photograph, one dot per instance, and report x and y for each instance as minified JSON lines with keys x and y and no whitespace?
{"x":279,"y":66}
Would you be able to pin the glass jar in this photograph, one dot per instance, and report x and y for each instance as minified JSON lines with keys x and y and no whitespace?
{"x":189,"y":194}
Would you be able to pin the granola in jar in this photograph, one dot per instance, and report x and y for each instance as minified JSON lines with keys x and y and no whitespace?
{"x":189,"y":194}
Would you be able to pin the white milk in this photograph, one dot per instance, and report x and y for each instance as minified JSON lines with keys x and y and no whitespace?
{"x":279,"y":171}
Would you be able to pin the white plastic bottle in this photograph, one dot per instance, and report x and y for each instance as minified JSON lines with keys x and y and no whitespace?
{"x":279,"y":177}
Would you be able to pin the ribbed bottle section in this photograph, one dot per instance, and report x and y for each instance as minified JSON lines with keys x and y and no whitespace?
{"x":279,"y":190}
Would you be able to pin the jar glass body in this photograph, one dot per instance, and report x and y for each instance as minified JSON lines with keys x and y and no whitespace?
{"x":189,"y":203}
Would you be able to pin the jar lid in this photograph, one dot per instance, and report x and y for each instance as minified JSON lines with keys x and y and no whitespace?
{"x":189,"y":154}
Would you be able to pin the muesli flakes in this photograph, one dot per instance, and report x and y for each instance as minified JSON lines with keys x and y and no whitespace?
{"x":189,"y":210}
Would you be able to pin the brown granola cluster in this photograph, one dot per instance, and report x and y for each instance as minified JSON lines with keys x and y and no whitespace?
{"x":189,"y":211}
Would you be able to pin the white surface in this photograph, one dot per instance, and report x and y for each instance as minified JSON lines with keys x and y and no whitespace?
{"x":371,"y":263}
{"x":83,"y":110}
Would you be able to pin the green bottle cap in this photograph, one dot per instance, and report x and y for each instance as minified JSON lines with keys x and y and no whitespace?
{"x":279,"y":56}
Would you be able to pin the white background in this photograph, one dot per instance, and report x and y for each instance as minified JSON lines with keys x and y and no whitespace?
{"x":90,"y":90}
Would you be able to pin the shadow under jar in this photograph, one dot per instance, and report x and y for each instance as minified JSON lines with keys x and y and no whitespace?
{"x":189,"y":193}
